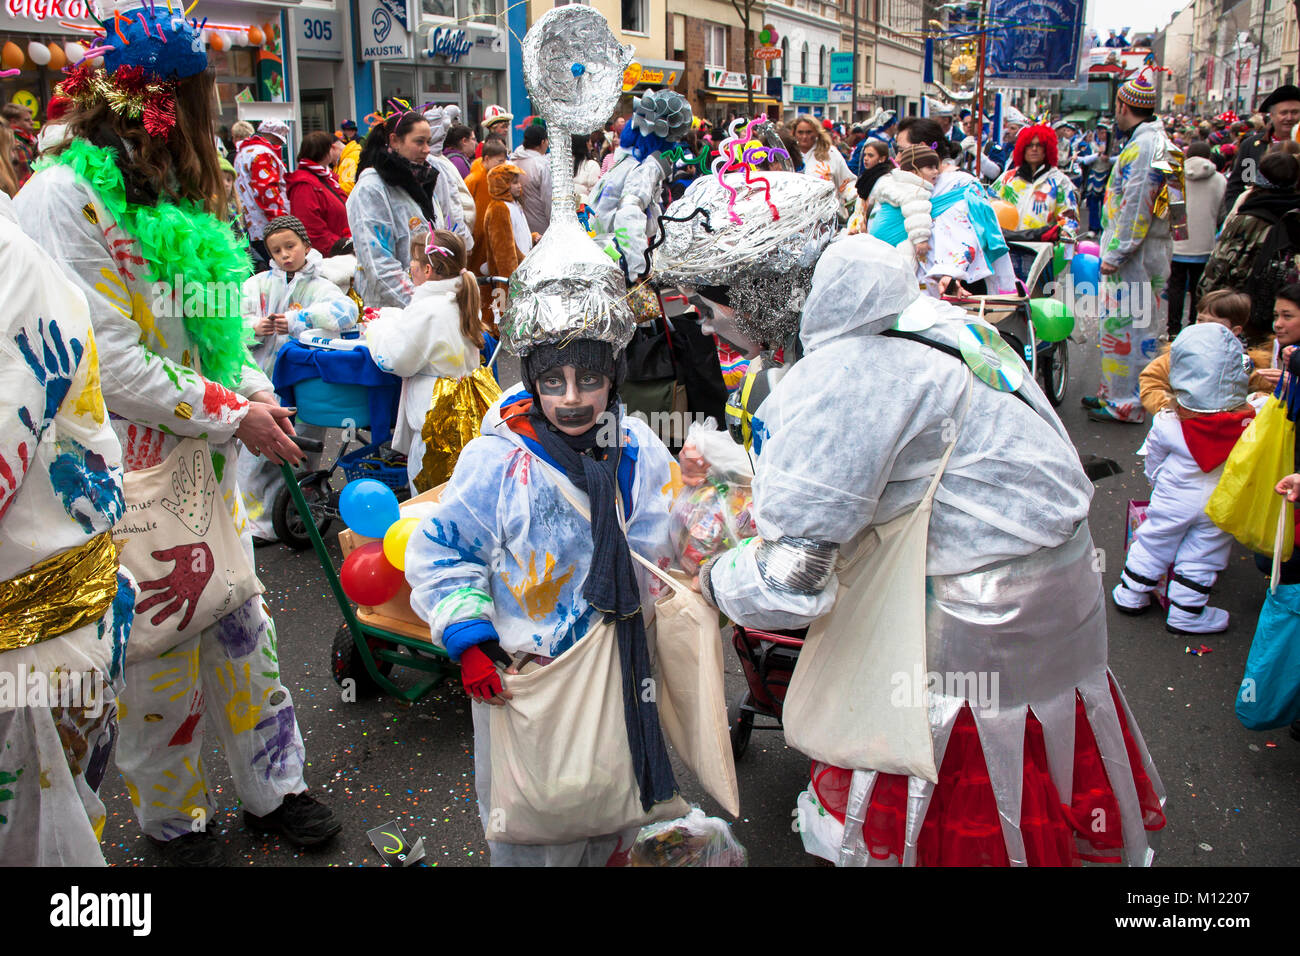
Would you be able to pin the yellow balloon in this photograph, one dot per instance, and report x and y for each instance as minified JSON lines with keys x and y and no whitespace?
{"x":395,"y":540}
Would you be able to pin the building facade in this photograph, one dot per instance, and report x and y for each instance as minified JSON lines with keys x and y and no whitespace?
{"x":709,"y":39}
{"x":809,"y":36}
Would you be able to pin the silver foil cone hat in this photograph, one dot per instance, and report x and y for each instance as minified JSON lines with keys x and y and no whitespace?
{"x":566,"y":287}
{"x":764,"y":257}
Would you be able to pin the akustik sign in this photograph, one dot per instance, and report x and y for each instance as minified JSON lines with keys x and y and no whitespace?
{"x":383,"y":30}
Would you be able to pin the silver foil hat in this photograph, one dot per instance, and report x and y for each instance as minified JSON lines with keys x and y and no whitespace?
{"x":664,"y":113}
{"x":567,"y":288}
{"x":766,"y":260}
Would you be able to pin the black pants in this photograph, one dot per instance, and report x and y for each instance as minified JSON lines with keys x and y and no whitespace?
{"x":1183,"y":278}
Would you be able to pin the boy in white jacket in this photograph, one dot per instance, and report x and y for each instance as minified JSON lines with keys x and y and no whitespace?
{"x":280,"y":304}
{"x":433,"y":344}
{"x":900,"y":203}
{"x":1185,"y":452}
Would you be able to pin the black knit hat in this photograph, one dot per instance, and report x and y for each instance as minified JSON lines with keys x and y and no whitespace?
{"x":580,"y":353}
{"x":292,"y":223}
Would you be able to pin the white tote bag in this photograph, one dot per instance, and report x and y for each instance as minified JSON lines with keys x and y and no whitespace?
{"x":561,"y":766}
{"x":690,"y":679}
{"x":182,"y":547}
{"x":857,"y":698}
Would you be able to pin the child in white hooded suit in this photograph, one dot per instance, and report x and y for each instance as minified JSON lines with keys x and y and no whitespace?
{"x":1185,"y":452}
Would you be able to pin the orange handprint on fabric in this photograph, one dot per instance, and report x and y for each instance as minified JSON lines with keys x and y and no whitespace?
{"x":538,"y":597}
{"x":191,"y":571}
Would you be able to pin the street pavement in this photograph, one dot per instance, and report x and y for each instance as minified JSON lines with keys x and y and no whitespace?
{"x":1233,"y":794}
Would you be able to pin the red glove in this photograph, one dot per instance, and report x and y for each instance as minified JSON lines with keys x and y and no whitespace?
{"x":480,"y":677}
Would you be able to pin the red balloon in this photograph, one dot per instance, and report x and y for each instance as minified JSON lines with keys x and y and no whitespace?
{"x":368,"y":577}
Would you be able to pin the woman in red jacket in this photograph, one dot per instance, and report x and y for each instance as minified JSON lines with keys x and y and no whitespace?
{"x":316,"y":199}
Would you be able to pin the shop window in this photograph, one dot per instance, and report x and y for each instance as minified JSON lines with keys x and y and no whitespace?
{"x":481,"y":91}
{"x":821,"y":67}
{"x":635,"y":16}
{"x":483,"y":11}
{"x":803,"y":64}
{"x":397,"y":82}
{"x":436,"y":83}
{"x":715,"y":46}
{"x":439,"y":8}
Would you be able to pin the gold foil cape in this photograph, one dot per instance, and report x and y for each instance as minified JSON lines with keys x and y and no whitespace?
{"x":454,"y":419}
{"x":58,"y":595}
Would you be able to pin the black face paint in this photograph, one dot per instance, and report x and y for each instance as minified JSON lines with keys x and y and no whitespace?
{"x":575,"y":416}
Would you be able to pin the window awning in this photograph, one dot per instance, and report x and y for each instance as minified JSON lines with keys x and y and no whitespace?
{"x":728,"y":98}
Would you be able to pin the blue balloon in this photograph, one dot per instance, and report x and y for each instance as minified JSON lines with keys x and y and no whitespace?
{"x":1086,"y":269}
{"x":368,"y":507}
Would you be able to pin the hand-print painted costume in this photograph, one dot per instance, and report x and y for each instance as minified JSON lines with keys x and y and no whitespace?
{"x":423,"y":344}
{"x":383,"y":218}
{"x":260,"y":180}
{"x":504,"y":545}
{"x":154,"y":390}
{"x":309,"y":301}
{"x":1133,"y":308}
{"x":965,"y":241}
{"x":60,"y":494}
{"x":1050,"y":199}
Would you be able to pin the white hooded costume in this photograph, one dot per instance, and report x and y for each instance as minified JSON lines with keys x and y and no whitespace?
{"x":847,"y":441}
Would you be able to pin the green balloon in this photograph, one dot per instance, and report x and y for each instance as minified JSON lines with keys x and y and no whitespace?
{"x":1052,"y":320}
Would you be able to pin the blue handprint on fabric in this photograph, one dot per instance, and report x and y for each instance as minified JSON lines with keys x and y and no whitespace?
{"x":54,"y":367}
{"x":384,"y":239}
{"x":282,"y":744}
{"x":118,"y":622}
{"x":90,"y":489}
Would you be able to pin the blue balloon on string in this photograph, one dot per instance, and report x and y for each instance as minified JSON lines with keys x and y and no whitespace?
{"x":368,"y":507}
{"x":1086,"y":269}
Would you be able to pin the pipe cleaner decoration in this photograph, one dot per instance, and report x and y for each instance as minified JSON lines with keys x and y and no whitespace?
{"x":145,"y":52}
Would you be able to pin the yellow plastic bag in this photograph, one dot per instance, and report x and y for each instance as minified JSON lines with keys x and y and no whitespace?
{"x":1244,"y":503}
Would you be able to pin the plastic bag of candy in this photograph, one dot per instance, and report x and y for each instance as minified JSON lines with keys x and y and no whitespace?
{"x":710,"y":519}
{"x":692,"y":840}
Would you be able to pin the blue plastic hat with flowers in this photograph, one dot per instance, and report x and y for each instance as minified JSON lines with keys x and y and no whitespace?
{"x":145,"y":51}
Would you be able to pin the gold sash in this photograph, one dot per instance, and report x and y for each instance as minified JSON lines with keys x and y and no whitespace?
{"x":58,"y":595}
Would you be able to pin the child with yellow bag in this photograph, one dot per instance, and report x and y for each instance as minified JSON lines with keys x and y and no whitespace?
{"x":1185,"y":453}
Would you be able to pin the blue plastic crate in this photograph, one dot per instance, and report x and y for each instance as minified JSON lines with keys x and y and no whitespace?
{"x":368,"y":462}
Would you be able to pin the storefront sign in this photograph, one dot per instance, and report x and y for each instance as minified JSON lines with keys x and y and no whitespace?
{"x":643,"y":74}
{"x":842,"y":68}
{"x":863,"y":106}
{"x":723,"y":80}
{"x":807,"y":94}
{"x":840,"y":93}
{"x":42,"y":10}
{"x":453,"y":44}
{"x":383,"y":29}
{"x":317,"y":33}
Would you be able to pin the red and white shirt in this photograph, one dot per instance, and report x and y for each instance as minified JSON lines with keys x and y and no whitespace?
{"x":260,"y":182}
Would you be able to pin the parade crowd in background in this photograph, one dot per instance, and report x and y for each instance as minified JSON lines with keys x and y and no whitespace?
{"x":431,"y":244}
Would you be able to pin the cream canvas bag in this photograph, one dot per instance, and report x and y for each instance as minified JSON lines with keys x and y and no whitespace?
{"x":844,"y":705}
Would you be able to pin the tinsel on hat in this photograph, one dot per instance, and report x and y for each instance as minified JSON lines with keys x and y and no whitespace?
{"x":145,"y":52}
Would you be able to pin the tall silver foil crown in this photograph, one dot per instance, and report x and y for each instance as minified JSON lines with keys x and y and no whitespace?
{"x":766,"y":260}
{"x":567,"y":287}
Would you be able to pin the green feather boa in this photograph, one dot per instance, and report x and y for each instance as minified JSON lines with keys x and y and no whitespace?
{"x":176,"y":239}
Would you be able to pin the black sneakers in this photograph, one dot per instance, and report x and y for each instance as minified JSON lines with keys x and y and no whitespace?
{"x":300,"y":819}
{"x":192,"y":849}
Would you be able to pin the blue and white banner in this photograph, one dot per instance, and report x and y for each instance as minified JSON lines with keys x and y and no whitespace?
{"x":1035,"y":43}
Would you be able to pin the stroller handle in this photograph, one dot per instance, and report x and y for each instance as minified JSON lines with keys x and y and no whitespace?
{"x":311,"y":445}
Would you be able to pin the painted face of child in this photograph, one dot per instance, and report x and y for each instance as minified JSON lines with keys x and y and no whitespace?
{"x":1286,"y":322}
{"x":287,"y":249}
{"x":572,"y":398}
{"x":421,"y":272}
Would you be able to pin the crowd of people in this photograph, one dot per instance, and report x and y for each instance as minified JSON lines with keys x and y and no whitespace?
{"x":794,"y":274}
